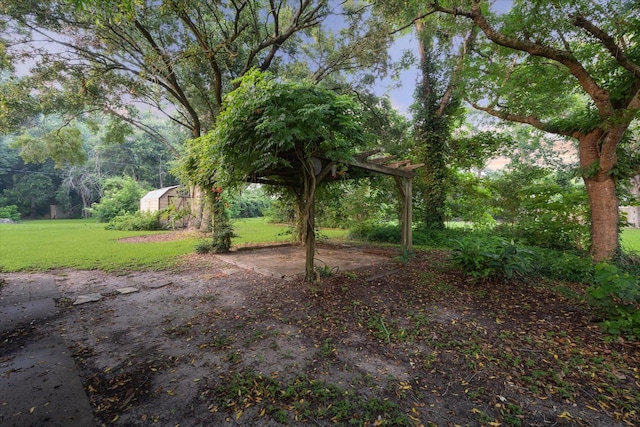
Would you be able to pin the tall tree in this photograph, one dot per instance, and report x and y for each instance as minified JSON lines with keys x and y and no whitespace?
{"x":442,"y":44}
{"x":567,"y":67}
{"x":179,"y":57}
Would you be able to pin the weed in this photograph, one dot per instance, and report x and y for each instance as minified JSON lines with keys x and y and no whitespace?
{"x":327,"y":349}
{"x":405,"y":256}
{"x":305,"y":399}
{"x":617,"y":296}
{"x":492,"y":258}
{"x":325,"y":270}
{"x":234,"y":357}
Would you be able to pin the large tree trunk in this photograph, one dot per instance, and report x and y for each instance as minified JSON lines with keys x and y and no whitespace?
{"x":598,"y":148}
{"x":603,"y":202}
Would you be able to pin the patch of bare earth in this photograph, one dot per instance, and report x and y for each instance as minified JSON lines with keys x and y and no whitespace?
{"x":386,"y":344}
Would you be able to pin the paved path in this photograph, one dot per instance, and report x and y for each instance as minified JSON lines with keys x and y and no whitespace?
{"x":39,"y":382}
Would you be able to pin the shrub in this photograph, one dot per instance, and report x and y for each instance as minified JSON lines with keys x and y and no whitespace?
{"x":571,"y":266}
{"x":616,"y":295}
{"x":375,"y":233}
{"x":135,"y":222}
{"x":204,"y":247}
{"x":121,"y":196}
{"x":10,"y":212}
{"x":492,"y":258}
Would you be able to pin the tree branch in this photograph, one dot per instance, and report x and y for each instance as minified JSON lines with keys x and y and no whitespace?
{"x":529,"y":120}
{"x":600,"y":96}
{"x":616,"y":51}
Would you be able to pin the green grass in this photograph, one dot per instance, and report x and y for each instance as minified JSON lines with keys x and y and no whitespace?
{"x":86,"y":245}
{"x":81,"y":244}
{"x":259,"y":230}
{"x":630,"y":239}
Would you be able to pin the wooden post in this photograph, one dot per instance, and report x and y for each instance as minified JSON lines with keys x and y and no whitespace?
{"x":406,"y":214}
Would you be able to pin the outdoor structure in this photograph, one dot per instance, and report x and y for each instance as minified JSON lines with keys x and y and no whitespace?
{"x":402,"y":171}
{"x":164,"y":198}
{"x":160,"y":199}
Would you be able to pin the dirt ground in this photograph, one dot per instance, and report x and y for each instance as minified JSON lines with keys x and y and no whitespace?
{"x":242,"y":340}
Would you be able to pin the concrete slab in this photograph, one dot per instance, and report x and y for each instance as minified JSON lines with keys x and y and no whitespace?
{"x":41,"y":387}
{"x":289,"y":260}
{"x":83,"y":299}
{"x":36,"y":288}
{"x":26,"y":301}
{"x":16,"y":315}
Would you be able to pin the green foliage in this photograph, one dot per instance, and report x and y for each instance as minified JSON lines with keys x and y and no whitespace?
{"x":543,"y":209}
{"x":32,"y":193}
{"x":492,"y":258}
{"x":250,"y":203}
{"x":63,"y":145}
{"x":135,"y":221}
{"x":10,"y":212}
{"x":472,"y":199}
{"x":571,"y":266}
{"x":616,"y":295}
{"x":405,"y":255}
{"x":269,"y":124}
{"x":303,"y":399}
{"x":325,"y":270}
{"x":204,"y":247}
{"x":121,"y":196}
{"x":175,"y":216}
{"x":349,"y":203}
{"x":372,"y":232}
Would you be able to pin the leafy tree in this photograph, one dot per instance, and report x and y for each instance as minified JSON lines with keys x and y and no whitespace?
{"x":32,"y":193}
{"x":121,"y":196}
{"x":546,"y":209}
{"x":570,"y":68}
{"x":442,"y":46}
{"x":179,"y":58}
{"x":270,"y":131}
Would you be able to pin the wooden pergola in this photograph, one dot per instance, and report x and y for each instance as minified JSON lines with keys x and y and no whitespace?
{"x":403,"y":173}
{"x":401,"y":170}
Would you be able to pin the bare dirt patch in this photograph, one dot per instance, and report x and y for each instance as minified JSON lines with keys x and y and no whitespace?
{"x":160,"y":237}
{"x":380,"y":343}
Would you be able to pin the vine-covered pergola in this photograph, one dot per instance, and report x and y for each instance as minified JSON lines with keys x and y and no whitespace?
{"x":296,"y":135}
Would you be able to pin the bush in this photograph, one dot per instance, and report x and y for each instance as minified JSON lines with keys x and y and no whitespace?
{"x":571,"y":266}
{"x":204,"y":247}
{"x":10,"y":212}
{"x":135,"y":222}
{"x":616,"y":295}
{"x":121,"y":196}
{"x":492,"y":258}
{"x":375,"y":233}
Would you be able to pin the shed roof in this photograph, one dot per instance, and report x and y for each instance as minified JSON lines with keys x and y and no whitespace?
{"x":156,"y":194}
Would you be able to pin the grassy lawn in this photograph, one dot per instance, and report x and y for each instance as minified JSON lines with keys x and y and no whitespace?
{"x":630,"y":239}
{"x":81,"y":244}
{"x":86,"y":245}
{"x":258,"y":230}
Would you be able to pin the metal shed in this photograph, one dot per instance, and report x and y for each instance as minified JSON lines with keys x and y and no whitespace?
{"x":160,"y":199}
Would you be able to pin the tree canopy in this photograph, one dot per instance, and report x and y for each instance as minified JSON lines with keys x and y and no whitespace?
{"x":272,"y":125}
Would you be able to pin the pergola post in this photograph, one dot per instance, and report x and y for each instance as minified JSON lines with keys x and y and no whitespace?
{"x":406,"y":213}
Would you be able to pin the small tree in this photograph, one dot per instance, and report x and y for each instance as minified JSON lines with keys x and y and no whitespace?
{"x":121,"y":196}
{"x":270,"y":131}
